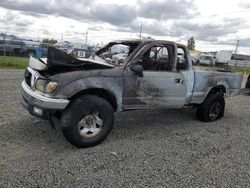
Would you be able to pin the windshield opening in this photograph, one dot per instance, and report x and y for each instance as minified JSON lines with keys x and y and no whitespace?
{"x":116,"y":53}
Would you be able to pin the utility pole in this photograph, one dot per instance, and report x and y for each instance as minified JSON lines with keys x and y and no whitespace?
{"x":86,"y":40}
{"x":140,"y":30}
{"x":4,"y":46}
{"x":237,"y":45}
{"x":62,"y":37}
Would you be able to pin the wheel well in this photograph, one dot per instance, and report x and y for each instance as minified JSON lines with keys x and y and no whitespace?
{"x":107,"y":95}
{"x":218,"y":89}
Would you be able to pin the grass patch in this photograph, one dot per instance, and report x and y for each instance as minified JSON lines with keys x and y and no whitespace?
{"x":241,"y":69}
{"x":13,"y":62}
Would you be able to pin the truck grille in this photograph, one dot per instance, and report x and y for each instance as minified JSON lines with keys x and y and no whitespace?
{"x":27,"y":77}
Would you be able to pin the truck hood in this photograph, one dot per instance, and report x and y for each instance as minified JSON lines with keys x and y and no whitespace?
{"x":59,"y":61}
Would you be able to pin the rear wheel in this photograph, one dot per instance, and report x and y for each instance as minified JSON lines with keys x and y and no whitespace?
{"x":212,"y":108}
{"x":87,"y":121}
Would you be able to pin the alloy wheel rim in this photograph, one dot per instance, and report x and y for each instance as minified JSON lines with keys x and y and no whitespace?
{"x":90,"y":125}
{"x":215,"y":111}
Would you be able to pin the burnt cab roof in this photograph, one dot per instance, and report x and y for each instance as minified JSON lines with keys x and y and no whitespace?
{"x":147,"y":41}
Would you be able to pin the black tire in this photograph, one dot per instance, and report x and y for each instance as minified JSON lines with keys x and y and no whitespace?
{"x":212,"y":108}
{"x":17,"y":52}
{"x":81,"y":108}
{"x":248,"y":82}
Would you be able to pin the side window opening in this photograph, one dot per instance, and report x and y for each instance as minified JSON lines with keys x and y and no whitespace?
{"x":157,"y":58}
{"x":182,"y":62}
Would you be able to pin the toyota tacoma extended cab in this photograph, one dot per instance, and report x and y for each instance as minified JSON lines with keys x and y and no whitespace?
{"x":84,"y":93}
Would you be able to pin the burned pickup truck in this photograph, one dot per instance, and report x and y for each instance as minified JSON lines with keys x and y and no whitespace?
{"x":84,"y":93}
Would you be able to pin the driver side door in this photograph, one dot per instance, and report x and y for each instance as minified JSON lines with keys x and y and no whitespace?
{"x":159,"y":86}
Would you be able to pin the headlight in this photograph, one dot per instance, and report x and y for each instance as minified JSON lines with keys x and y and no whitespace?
{"x":50,"y":87}
{"x":40,"y":84}
{"x":46,"y":86}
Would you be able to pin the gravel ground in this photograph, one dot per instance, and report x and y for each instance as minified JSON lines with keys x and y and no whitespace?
{"x":154,"y":148}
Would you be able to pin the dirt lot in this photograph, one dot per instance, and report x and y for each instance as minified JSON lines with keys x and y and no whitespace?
{"x":155,"y":148}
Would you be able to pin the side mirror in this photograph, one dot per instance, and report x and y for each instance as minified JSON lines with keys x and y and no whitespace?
{"x":137,"y":69}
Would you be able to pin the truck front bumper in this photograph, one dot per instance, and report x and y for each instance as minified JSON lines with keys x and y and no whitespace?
{"x":39,"y":105}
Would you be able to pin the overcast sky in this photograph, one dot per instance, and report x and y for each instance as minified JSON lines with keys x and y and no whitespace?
{"x":215,"y":24}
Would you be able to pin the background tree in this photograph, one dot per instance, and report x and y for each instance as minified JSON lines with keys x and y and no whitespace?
{"x":50,"y":41}
{"x":191,"y":44}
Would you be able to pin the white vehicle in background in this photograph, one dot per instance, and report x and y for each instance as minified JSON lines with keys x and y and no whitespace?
{"x":119,"y":58}
{"x":223,"y":56}
{"x":206,"y":59}
{"x":122,"y":56}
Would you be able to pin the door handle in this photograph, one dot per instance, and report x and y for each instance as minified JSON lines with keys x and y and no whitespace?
{"x":179,"y":81}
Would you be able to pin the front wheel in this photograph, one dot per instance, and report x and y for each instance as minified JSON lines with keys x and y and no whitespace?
{"x":87,"y":121}
{"x":212,"y":108}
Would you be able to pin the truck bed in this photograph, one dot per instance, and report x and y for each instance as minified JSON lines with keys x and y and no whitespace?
{"x":205,"y":80}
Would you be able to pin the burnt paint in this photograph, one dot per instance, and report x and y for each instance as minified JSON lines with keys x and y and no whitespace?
{"x":121,"y":80}
{"x":206,"y":80}
{"x":107,"y":79}
{"x":59,"y":61}
{"x":148,"y":92}
{"x":145,"y":88}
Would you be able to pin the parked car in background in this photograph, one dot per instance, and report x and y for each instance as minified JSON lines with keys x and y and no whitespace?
{"x":22,"y":48}
{"x":206,"y":60}
{"x":119,"y":58}
{"x":12,"y":47}
{"x":33,"y":49}
{"x":30,"y":48}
